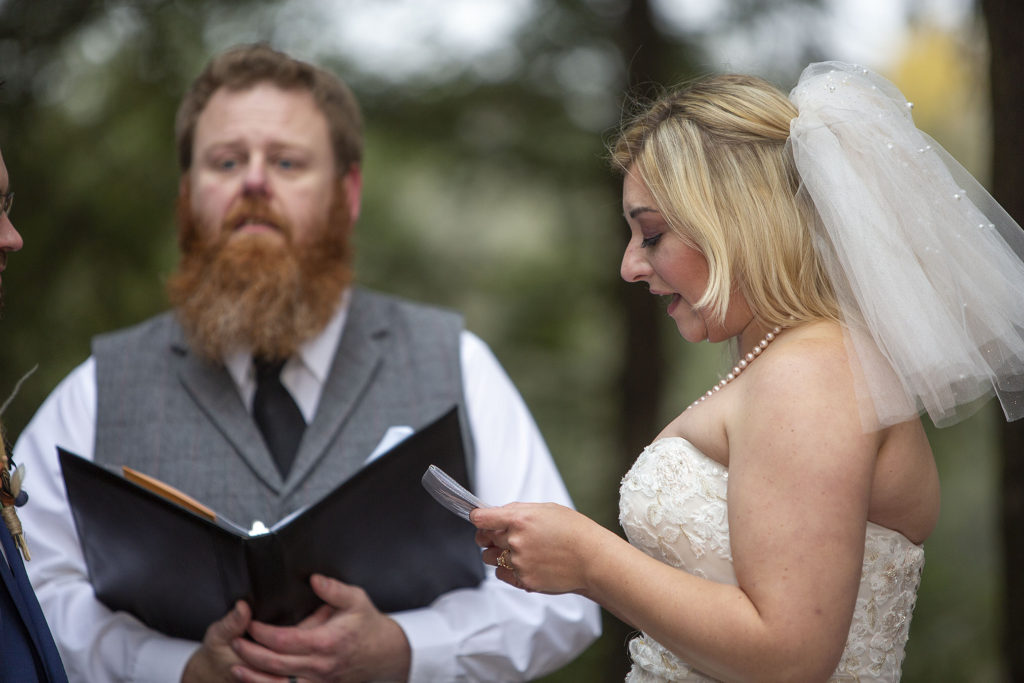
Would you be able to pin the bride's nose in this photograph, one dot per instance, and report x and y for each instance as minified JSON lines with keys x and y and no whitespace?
{"x":634,"y":267}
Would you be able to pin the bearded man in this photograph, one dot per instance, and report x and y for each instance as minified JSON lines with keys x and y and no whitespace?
{"x":270,"y":151}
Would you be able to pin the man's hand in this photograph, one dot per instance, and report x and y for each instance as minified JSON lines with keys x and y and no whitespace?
{"x":347,"y":640}
{"x":213,"y":661}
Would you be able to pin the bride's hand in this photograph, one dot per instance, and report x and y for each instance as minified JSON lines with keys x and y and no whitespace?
{"x":549,"y":546}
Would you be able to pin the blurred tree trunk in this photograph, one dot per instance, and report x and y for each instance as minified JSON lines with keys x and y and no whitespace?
{"x":649,"y":60}
{"x":1005,"y":20}
{"x":643,"y":368}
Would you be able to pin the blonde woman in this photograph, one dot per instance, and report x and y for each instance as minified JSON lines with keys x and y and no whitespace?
{"x":776,"y":525}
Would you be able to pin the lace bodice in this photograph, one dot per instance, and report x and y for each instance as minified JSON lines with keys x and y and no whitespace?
{"x":672,"y":505}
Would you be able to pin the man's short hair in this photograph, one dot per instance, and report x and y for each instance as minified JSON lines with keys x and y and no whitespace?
{"x":246,"y":66}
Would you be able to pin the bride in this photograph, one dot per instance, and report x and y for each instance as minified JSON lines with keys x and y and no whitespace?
{"x":776,"y":525}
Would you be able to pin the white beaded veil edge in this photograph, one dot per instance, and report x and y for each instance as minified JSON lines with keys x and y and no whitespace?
{"x":927,"y":267}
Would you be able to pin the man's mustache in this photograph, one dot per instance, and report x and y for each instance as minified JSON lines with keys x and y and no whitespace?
{"x":251,"y":210}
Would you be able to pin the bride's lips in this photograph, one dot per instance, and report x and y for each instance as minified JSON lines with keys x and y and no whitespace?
{"x":673,"y":302}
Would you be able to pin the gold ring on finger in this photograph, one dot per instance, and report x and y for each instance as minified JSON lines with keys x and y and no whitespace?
{"x":503,"y":560}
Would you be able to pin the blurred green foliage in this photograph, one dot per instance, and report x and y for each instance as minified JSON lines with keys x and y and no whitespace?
{"x":487,"y":193}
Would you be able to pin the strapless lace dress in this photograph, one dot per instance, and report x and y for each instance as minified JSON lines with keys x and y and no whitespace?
{"x":672,"y":505}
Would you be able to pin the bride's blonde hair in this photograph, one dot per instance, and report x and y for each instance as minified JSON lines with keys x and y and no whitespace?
{"x":713,"y":155}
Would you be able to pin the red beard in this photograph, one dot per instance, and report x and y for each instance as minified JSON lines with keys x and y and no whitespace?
{"x":248,"y":291}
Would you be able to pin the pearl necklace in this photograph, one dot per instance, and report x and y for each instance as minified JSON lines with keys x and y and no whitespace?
{"x":740,"y":367}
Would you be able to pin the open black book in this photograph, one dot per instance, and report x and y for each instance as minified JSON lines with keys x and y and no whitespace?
{"x":178,"y":567}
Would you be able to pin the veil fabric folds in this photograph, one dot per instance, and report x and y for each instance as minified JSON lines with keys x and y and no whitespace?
{"x":927,"y":267}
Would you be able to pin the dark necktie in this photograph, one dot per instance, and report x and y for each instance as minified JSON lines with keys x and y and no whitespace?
{"x":276,"y":414}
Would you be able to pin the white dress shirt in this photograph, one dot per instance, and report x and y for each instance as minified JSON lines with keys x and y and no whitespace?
{"x":490,"y":633}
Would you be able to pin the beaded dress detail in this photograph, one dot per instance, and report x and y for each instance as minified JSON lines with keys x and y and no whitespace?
{"x":673,"y":506}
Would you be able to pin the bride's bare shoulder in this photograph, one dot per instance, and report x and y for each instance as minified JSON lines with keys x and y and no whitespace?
{"x":816,"y":346}
{"x":807,"y":365}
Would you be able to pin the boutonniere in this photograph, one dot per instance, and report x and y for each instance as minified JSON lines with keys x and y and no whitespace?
{"x":12,"y":496}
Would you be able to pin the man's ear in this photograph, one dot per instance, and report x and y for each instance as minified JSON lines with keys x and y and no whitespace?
{"x":352,"y":185}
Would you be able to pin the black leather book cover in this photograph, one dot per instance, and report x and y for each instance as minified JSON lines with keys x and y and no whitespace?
{"x":178,"y":571}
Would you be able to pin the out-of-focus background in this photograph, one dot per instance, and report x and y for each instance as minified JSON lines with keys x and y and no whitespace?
{"x":487,"y":190}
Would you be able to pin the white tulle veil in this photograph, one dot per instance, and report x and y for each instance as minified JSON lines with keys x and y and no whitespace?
{"x":927,"y":267}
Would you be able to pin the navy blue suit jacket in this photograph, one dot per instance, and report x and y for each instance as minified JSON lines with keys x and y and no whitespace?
{"x":27,"y":651}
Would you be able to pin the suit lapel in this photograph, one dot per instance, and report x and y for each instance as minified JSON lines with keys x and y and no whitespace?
{"x":216,"y":395}
{"x":356,"y":360}
{"x":20,"y":590}
{"x":7,"y":571}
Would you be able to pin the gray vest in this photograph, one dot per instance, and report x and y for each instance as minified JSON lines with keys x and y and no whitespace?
{"x":168,"y":413}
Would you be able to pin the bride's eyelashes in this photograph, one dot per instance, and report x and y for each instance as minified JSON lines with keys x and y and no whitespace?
{"x":650,"y":241}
